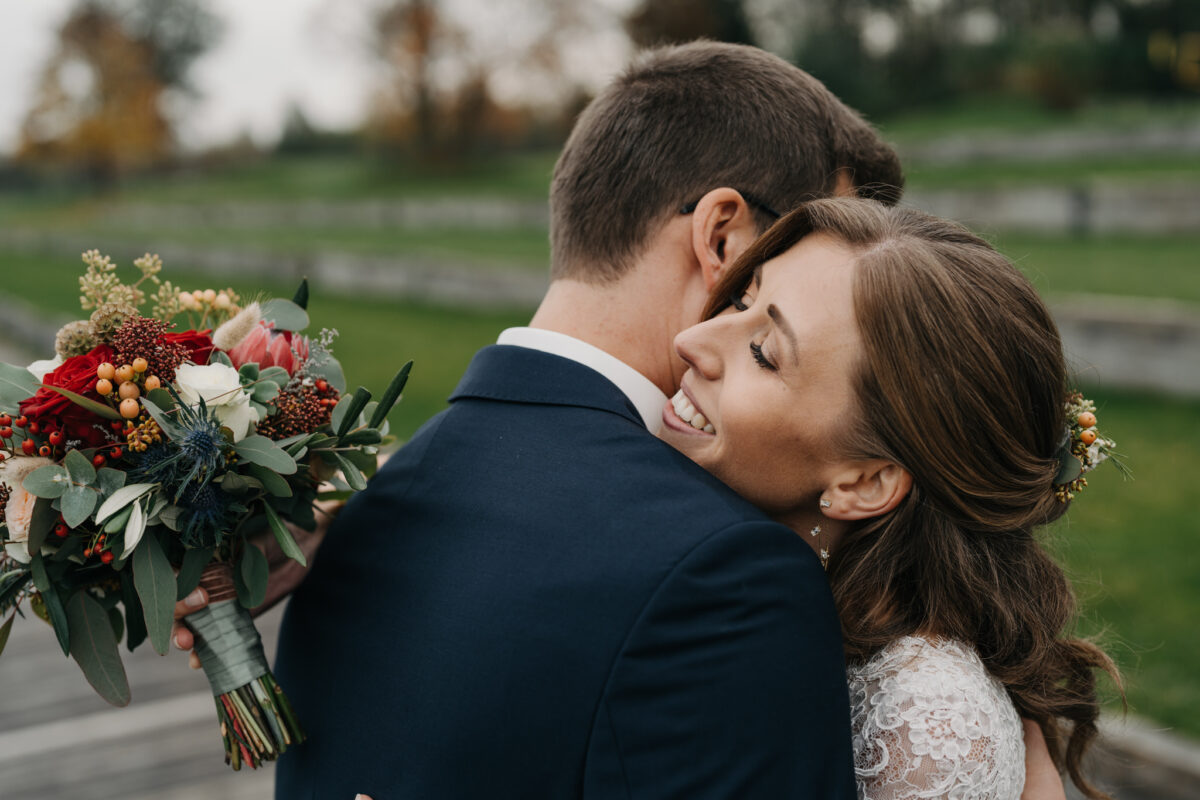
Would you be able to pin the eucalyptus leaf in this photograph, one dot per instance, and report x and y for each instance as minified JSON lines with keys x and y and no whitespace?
{"x":50,"y":481}
{"x":121,"y":498}
{"x":264,"y":452}
{"x":94,"y":648}
{"x":109,"y":480}
{"x":162,"y":399}
{"x":41,"y":522}
{"x":339,"y":412}
{"x":155,"y":583}
{"x":248,"y":371}
{"x":195,"y":559}
{"x":5,"y":630}
{"x":353,"y":474}
{"x":52,"y":602}
{"x":116,"y":622}
{"x":274,"y":484}
{"x":99,"y":409}
{"x":219,"y":357}
{"x":16,"y":384}
{"x":286,"y":315}
{"x":134,"y":528}
{"x":77,"y":505}
{"x":234,"y":484}
{"x":282,"y":535}
{"x":265,"y":391}
{"x":80,"y":468}
{"x":277,"y":375}
{"x":391,"y":396}
{"x":135,"y":621}
{"x":251,"y":577}
{"x":170,"y":517}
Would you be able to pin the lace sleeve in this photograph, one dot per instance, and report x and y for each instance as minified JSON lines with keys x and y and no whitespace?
{"x":929,"y":721}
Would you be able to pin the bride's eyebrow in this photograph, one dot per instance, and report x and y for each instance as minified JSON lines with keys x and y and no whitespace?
{"x":781,"y":322}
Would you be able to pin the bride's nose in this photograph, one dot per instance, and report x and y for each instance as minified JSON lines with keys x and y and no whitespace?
{"x":698,"y":347}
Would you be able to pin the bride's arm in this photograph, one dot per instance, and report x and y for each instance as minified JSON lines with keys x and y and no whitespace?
{"x":1042,"y":781}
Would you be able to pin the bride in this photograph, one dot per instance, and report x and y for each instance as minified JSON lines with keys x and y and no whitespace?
{"x":891,"y":388}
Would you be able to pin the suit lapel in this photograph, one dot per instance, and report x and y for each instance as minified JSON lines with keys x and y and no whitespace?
{"x":522,"y":375}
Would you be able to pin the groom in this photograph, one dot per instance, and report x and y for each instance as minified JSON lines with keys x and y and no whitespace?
{"x":535,"y":597}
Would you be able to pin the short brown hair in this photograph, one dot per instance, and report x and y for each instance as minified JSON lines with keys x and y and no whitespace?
{"x":686,"y":119}
{"x":962,"y":382}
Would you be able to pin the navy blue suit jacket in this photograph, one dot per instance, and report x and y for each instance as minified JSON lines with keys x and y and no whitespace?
{"x":536,"y":598}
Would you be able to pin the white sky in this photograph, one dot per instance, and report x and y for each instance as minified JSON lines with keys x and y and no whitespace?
{"x":273,"y":52}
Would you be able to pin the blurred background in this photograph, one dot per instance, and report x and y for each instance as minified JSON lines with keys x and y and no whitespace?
{"x":398,"y":154}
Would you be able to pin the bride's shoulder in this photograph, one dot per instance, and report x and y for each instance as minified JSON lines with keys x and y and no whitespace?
{"x":917,"y":661}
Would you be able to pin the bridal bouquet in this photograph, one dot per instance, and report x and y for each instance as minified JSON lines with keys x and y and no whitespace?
{"x":139,"y":462}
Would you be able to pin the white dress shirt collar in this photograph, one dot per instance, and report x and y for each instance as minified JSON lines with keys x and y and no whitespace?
{"x":647,"y":398}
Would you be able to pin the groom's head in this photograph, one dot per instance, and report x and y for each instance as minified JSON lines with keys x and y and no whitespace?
{"x":685,"y":120}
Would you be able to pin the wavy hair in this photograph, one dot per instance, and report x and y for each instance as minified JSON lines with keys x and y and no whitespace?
{"x":962,"y":383}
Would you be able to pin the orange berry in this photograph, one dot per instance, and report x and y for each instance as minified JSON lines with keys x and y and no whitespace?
{"x":140,"y":365}
{"x":1087,"y":437}
{"x":130,"y":408}
{"x":1086,"y":420}
{"x":125,"y":372}
{"x":104,"y":387}
{"x":152,"y":382}
{"x":106,"y":371}
{"x":129,"y":390}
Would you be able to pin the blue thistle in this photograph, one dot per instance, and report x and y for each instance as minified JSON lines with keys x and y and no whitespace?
{"x":208,"y":512}
{"x":196,"y":447}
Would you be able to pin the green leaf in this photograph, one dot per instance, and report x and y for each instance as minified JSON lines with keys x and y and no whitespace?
{"x":162,"y":399}
{"x":277,"y":375}
{"x":135,"y":622}
{"x":301,"y":296}
{"x":77,"y":505}
{"x":121,"y":498}
{"x":264,"y":452}
{"x":219,"y":357}
{"x":195,"y":559}
{"x":80,"y":468}
{"x":248,"y":371}
{"x":1070,"y":467}
{"x":282,"y":535}
{"x":109,"y":480}
{"x":116,"y":622}
{"x":99,"y":409}
{"x":286,"y":315}
{"x":54,"y":608}
{"x":170,"y":517}
{"x":350,"y":416}
{"x":318,"y":441}
{"x":264,"y":391}
{"x":234,"y":484}
{"x":391,"y":396}
{"x":335,"y":495}
{"x":330,"y":370}
{"x":353,"y":474}
{"x":5,"y":630}
{"x":94,"y":648}
{"x":134,"y":528}
{"x":16,"y":384}
{"x":40,"y":524}
{"x":170,"y":428}
{"x":275,"y":485}
{"x":118,"y":521}
{"x":155,"y":582}
{"x":50,"y":481}
{"x":250,"y":578}
{"x":366,"y":436}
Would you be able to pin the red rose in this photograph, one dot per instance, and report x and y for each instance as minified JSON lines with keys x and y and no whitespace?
{"x":53,"y":411}
{"x":200,"y":343}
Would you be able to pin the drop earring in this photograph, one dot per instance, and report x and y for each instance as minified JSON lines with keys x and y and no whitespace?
{"x":816,"y":531}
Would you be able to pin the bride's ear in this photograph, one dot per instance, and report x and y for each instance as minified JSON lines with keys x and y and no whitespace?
{"x":722,"y":228}
{"x":865,"y":489}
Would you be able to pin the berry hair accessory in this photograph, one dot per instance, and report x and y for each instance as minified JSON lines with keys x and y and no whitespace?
{"x":1083,"y":448}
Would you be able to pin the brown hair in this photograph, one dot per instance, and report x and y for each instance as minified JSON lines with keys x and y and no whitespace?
{"x":684,"y":120}
{"x":962,"y":383}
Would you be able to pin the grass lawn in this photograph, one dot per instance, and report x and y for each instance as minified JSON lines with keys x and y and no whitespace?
{"x":979,"y":174}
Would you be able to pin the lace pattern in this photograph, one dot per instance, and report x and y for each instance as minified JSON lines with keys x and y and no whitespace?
{"x":930,"y":721}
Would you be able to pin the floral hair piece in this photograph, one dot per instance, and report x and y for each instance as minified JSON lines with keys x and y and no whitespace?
{"x":1082,"y":449}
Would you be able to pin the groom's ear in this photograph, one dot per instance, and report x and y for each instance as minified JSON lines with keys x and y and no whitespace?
{"x":722,"y":228}
{"x":865,"y":489}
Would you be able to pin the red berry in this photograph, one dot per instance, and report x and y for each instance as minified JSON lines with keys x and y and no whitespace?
{"x":28,"y":447}
{"x":115,"y":454}
{"x":87,"y":553}
{"x":322,"y":385}
{"x":35,"y":428}
{"x":107,"y":556}
{"x":56,"y":438}
{"x":5,"y":433}
{"x":98,"y":460}
{"x":60,"y":530}
{"x":5,"y":420}
{"x":117,"y":426}
{"x":3,"y":455}
{"x":44,"y":451}
{"x":21,"y":422}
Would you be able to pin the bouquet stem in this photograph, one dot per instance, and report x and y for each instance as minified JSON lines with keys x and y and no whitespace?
{"x":257,"y":721}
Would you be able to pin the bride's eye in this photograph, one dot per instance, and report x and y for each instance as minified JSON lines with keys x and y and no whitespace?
{"x":757,"y":351}
{"x":741,"y":300}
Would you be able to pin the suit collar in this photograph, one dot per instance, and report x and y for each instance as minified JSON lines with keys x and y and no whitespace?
{"x":522,"y":375}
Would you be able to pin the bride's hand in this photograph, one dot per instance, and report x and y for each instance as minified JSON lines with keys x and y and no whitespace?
{"x":1042,"y":781}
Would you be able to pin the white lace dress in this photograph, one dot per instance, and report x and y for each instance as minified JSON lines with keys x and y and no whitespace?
{"x":930,"y":721}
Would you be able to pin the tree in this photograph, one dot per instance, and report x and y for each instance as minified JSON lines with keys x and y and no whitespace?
{"x":658,"y":22}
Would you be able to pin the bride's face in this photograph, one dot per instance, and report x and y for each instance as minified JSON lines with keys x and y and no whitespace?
{"x":768,"y":385}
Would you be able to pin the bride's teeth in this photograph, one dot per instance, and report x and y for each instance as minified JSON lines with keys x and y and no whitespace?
{"x":698,"y":421}
{"x":709,"y":428}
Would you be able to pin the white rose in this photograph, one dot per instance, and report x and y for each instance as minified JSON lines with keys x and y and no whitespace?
{"x":221,"y":389}
{"x":18,"y":514}
{"x":41,"y":369}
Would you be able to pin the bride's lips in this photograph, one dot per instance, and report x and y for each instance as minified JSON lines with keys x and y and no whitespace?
{"x":674,"y":421}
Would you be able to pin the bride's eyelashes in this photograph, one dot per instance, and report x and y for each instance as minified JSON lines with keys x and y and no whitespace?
{"x":762,"y":360}
{"x":738,"y":300}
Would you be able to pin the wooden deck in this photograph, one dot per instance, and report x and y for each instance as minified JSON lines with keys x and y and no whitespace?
{"x":60,"y":741}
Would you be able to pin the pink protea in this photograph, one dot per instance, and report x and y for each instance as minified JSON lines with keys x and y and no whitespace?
{"x":268,"y":347}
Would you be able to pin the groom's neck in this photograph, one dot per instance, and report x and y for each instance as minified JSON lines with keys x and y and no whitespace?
{"x":625,"y":319}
